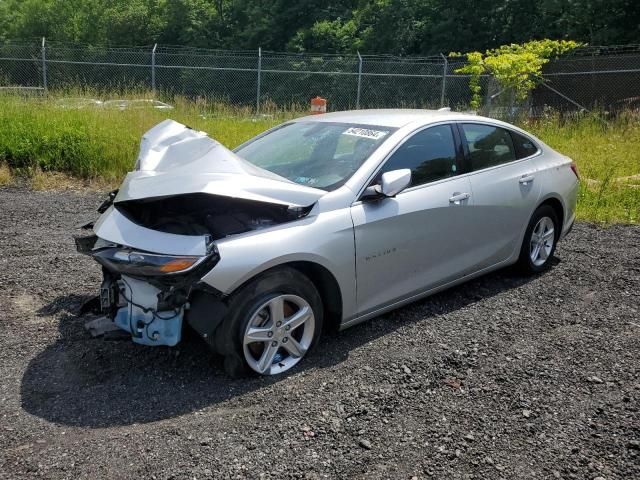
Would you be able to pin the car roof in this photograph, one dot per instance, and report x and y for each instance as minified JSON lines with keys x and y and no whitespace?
{"x":390,"y":117}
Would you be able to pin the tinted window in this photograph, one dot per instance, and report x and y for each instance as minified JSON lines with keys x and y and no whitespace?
{"x":488,"y":146}
{"x":524,"y":146}
{"x":430,"y":155}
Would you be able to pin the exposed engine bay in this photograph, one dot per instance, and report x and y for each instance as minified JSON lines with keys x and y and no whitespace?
{"x":206,"y":214}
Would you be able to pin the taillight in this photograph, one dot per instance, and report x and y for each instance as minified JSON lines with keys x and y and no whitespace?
{"x":574,"y":169}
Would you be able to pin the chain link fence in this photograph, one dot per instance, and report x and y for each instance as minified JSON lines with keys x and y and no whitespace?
{"x":592,"y":78}
{"x":589,"y":78}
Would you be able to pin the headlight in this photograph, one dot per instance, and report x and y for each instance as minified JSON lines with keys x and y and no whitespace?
{"x":134,"y":262}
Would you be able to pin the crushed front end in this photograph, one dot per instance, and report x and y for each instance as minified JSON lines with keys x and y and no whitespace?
{"x":155,"y":237}
{"x":144,"y":293}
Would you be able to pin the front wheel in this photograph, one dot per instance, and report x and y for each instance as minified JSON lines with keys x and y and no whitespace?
{"x":540,"y":240}
{"x":272,"y":323}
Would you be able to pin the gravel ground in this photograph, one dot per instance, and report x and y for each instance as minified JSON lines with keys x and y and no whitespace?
{"x":504,"y":377}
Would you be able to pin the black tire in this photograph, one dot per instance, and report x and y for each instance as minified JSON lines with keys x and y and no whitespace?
{"x":525,"y":263}
{"x":228,"y":338}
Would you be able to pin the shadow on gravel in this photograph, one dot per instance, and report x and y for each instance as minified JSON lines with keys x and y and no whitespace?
{"x":81,"y":381}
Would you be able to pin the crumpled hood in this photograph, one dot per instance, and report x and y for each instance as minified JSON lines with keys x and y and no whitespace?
{"x":175,"y":160}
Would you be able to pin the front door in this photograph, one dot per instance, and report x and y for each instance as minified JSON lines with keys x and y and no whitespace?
{"x":419,"y":239}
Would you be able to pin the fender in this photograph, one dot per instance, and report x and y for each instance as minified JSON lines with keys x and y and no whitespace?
{"x":244,"y":256}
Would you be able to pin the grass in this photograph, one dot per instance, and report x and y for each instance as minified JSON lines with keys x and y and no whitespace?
{"x":55,"y":181}
{"x":93,"y":142}
{"x":6,"y":177}
{"x":607,"y":152}
{"x":55,"y":144}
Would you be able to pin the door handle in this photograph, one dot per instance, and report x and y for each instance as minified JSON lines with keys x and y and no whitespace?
{"x":458,"y":197}
{"x":525,"y":179}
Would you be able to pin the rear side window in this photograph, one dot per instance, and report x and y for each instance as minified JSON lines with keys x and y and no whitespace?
{"x":430,"y":155}
{"x":524,"y":146}
{"x":488,"y":145}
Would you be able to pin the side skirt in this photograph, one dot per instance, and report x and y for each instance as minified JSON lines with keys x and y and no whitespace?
{"x":392,"y":306}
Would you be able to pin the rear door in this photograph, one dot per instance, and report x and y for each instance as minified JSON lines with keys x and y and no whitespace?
{"x":419,"y":239}
{"x":502,"y":171}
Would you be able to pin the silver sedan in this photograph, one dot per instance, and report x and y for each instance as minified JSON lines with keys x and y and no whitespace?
{"x":323,"y":221}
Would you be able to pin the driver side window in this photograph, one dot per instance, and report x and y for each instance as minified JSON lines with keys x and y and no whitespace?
{"x":430,"y":154}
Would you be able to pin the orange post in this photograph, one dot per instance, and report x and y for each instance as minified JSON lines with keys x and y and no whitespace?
{"x":318,"y":105}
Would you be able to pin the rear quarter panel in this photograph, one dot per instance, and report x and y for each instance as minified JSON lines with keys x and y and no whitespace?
{"x":558,"y":181}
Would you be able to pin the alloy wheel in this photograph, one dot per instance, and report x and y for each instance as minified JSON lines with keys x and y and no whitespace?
{"x":542,"y":240}
{"x":278,"y":334}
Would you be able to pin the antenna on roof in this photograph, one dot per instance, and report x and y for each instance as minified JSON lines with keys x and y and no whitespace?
{"x":444,"y":109}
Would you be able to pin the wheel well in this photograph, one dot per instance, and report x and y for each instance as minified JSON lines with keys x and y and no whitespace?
{"x":328,"y":288}
{"x":557,"y":207}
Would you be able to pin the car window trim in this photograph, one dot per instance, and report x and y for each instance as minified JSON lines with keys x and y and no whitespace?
{"x":466,"y":160}
{"x":414,"y":188}
{"x":467,"y":156}
{"x":457,"y":146}
{"x":535,"y":144}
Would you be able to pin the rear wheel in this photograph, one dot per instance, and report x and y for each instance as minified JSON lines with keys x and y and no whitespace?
{"x":540,"y":240}
{"x":273,"y":322}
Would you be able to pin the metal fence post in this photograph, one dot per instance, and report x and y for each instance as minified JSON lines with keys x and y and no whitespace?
{"x":444,"y":79}
{"x":359,"y":81}
{"x":259,"y":79}
{"x":153,"y":68}
{"x":44,"y":65}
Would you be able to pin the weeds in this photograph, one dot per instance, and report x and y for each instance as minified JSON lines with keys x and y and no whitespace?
{"x":92,"y":141}
{"x":607,"y":152}
{"x":6,"y":178}
{"x":98,"y":144}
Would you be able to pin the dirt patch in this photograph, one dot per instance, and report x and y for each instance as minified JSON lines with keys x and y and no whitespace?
{"x":26,"y":304}
{"x":503,"y":377}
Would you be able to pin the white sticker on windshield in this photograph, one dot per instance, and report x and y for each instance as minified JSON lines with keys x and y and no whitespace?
{"x":366,"y":133}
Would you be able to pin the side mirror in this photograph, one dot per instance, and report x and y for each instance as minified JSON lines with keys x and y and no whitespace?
{"x":391,"y":184}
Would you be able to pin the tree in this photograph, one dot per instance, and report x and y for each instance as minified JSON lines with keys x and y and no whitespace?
{"x":401,"y":27}
{"x":517,"y":67}
{"x":327,"y":36}
{"x":133,"y":22}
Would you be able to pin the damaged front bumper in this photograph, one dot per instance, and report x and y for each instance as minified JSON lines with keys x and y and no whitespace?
{"x":147,"y":294}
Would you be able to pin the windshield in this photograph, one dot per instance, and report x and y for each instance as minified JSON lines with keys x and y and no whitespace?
{"x":316,"y":154}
